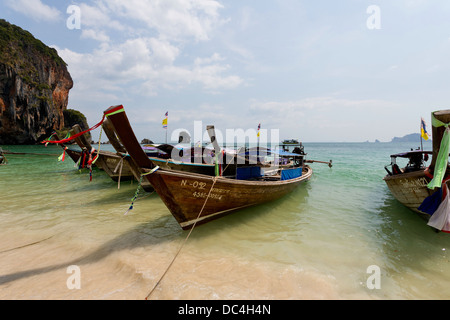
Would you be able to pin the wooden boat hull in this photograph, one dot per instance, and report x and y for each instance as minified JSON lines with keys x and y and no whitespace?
{"x":410,"y":189}
{"x":188,"y":194}
{"x":194,"y":198}
{"x":73,"y":154}
{"x":409,"y":185}
{"x":110,"y":163}
{"x":134,"y":170}
{"x":207,"y":169}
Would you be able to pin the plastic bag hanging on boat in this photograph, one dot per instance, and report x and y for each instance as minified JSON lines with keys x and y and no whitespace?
{"x":441,"y":217}
{"x":431,"y":203}
{"x":442,"y":159}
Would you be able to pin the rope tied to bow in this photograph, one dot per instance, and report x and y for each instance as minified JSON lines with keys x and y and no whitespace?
{"x":119,"y":167}
{"x":139,"y":187}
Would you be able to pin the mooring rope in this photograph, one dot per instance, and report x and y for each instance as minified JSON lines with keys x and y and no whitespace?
{"x":120,"y":171}
{"x":184,"y":242}
{"x":189,"y":234}
{"x":27,"y":245}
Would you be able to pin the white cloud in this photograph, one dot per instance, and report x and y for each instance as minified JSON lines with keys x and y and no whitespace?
{"x":172,"y":19}
{"x":311,"y":117}
{"x":95,"y":35}
{"x":320,"y":104}
{"x":99,"y":17}
{"x":146,"y":64}
{"x":142,"y":43}
{"x":211,"y":77}
{"x":35,"y":9}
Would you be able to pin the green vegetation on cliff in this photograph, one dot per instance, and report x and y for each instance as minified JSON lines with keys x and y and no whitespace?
{"x":34,"y":87}
{"x":13,"y":38}
{"x":71,"y":118}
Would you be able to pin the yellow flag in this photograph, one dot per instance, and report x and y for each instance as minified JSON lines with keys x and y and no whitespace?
{"x":164,"y":122}
{"x":423,"y":129}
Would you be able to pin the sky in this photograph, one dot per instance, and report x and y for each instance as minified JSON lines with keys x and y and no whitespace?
{"x":317,"y":71}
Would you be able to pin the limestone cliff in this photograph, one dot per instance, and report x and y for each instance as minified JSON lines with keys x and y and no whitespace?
{"x":34,"y":87}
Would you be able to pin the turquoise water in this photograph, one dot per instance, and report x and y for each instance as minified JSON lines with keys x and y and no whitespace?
{"x":316,"y":243}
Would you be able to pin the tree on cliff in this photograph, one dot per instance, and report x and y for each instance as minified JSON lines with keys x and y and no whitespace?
{"x":71,"y":118}
{"x":34,"y":87}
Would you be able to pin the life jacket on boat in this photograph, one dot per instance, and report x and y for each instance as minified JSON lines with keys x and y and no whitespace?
{"x":396,"y":169}
{"x":428,"y":173}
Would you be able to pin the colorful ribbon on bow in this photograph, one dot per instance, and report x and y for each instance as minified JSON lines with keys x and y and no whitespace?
{"x":70,"y":138}
{"x":62,"y":157}
{"x":138,"y":188}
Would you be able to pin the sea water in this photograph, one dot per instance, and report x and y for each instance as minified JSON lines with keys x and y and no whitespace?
{"x":340,"y":235}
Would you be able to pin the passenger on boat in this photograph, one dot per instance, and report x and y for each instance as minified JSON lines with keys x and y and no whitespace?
{"x":299,"y":150}
{"x":416,"y":162}
{"x":396,"y":169}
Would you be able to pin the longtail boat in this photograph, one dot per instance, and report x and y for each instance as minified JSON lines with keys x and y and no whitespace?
{"x":113,"y":164}
{"x":135,"y":170}
{"x":409,"y":184}
{"x":180,"y":159}
{"x":194,"y":198}
{"x":161,"y":158}
{"x":418,"y":186}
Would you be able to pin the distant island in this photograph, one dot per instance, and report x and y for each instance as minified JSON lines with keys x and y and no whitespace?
{"x":413,"y":137}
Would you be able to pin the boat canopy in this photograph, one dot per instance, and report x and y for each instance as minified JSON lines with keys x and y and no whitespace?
{"x":280,"y":153}
{"x":410,"y":154}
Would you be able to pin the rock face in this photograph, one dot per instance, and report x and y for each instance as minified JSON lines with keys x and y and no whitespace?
{"x":34,"y":87}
